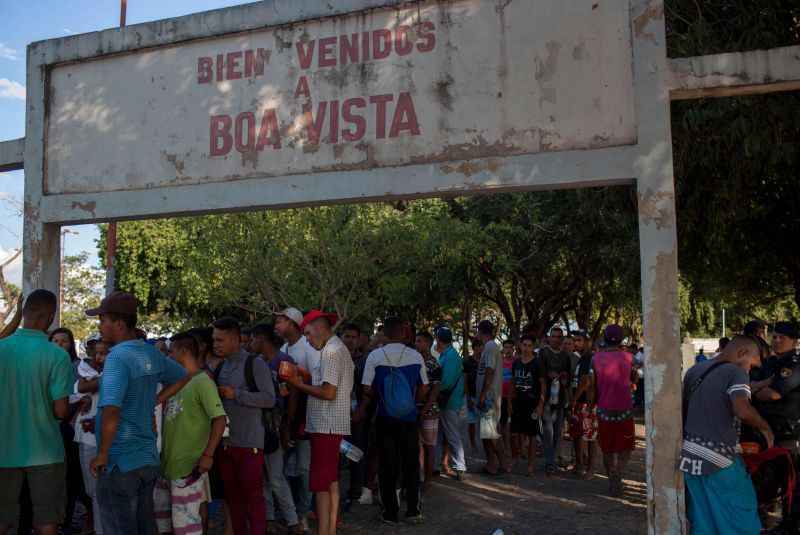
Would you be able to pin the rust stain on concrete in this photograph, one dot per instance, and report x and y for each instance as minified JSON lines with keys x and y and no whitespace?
{"x":176,"y":162}
{"x":653,"y":12}
{"x":88,"y":206}
{"x":654,"y":207}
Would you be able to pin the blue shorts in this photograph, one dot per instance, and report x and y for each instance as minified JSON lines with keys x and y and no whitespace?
{"x":472,"y":414}
{"x":722,"y":503}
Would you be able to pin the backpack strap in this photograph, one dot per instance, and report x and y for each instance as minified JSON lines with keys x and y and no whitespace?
{"x":217,"y":371}
{"x":687,"y":395}
{"x":249,"y":374}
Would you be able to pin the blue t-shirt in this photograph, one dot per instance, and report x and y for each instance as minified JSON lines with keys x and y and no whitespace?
{"x":130,"y":381}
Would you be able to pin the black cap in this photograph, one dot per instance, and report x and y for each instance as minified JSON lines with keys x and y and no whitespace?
{"x":752,"y":327}
{"x":787,"y":328}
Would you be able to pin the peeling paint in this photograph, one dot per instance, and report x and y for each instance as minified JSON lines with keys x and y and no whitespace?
{"x":651,"y":13}
{"x":88,"y":206}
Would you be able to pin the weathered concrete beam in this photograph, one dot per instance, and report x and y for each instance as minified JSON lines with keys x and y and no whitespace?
{"x":544,"y":171}
{"x":12,"y":154}
{"x":736,"y":73}
{"x":242,"y":18}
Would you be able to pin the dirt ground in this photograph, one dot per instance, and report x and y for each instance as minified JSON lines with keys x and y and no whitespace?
{"x":518,"y":504}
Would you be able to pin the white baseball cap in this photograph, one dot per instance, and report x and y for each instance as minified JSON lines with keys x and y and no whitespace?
{"x":293,"y":314}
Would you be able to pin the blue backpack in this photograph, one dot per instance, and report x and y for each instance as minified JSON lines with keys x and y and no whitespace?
{"x":398,"y":396}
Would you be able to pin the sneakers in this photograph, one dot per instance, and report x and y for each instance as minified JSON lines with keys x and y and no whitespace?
{"x":415,"y":520}
{"x":390,"y":521}
{"x":461,"y":475}
{"x":366,"y":496}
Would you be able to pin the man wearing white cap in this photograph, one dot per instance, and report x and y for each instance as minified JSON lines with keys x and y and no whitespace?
{"x":287,"y":325}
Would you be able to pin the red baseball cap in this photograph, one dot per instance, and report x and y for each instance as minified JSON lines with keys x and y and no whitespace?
{"x":317,"y":314}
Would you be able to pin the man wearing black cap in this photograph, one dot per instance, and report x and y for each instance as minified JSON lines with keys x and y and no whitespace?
{"x":779,"y":403}
{"x":127,"y":462}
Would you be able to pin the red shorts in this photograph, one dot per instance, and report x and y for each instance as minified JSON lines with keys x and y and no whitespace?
{"x":617,"y":437}
{"x":324,"y":461}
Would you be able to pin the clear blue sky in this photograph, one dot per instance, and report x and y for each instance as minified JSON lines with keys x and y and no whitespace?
{"x":24,"y":22}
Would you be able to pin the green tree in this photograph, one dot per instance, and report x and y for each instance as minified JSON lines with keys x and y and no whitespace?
{"x":83,"y":289}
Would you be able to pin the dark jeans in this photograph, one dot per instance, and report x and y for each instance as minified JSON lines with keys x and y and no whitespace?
{"x":358,"y":471}
{"x":126,"y":500}
{"x":398,"y":451}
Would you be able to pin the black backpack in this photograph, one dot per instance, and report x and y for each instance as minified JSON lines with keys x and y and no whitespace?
{"x":271,"y":438}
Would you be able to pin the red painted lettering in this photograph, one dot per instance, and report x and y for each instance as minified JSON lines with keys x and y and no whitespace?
{"x":381,"y":43}
{"x":405,"y":117}
{"x":269,"y":134}
{"x":254,"y":62}
{"x":305,"y":53}
{"x":220,"y":135}
{"x":220,"y":65}
{"x":327,"y":58}
{"x":313,"y":125}
{"x":402,"y":45}
{"x":302,"y":88}
{"x":247,"y":118}
{"x":333,"y":136}
{"x":233,"y":64}
{"x":205,"y":71}
{"x":356,"y":120}
{"x":348,"y":49}
{"x":426,"y":32}
{"x":380,"y":113}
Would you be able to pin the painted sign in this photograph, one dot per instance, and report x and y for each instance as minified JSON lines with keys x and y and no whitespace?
{"x":433,"y":82}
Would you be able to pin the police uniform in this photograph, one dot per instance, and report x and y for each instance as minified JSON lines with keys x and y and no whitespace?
{"x":783,"y":415}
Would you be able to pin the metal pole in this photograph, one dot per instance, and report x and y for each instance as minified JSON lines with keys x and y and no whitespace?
{"x":111,"y":235}
{"x":723,"y":323}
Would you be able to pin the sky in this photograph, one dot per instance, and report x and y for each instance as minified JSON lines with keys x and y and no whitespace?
{"x":22,"y":23}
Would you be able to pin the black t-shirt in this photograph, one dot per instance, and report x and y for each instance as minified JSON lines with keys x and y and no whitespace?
{"x":471,"y":370}
{"x":526,"y":379}
{"x":584,"y":369}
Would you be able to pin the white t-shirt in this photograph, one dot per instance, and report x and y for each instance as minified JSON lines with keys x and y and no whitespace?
{"x":304,"y":355}
{"x":85,"y":371}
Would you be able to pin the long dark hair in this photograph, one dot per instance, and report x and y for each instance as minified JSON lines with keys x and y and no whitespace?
{"x":73,"y":355}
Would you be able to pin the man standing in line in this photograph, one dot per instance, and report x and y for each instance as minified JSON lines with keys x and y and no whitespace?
{"x":287,"y":325}
{"x":265,"y":342}
{"x":242,"y":456}
{"x":194,"y":422}
{"x":127,"y":462}
{"x":720,"y":495}
{"x":507,"y":406}
{"x":583,"y":408}
{"x":556,"y":367}
{"x":359,"y":491}
{"x":328,"y":415}
{"x":37,"y":379}
{"x":451,"y":402}
{"x":613,"y":374}
{"x":395,"y":376}
{"x":489,"y":387}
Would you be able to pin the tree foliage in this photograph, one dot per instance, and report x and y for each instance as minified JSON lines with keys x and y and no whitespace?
{"x":83,"y":289}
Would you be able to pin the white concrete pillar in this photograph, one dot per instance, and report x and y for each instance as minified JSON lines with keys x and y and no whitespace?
{"x":659,"y":257}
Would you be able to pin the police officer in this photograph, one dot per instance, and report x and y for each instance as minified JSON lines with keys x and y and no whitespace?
{"x":779,"y":403}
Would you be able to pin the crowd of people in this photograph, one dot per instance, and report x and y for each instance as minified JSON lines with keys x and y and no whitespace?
{"x":150,"y":435}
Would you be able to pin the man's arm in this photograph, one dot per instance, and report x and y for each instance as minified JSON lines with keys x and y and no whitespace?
{"x":206,"y":460}
{"x":324,"y":391}
{"x":108,"y":431}
{"x":265,"y":397}
{"x":61,"y":408}
{"x":170,"y":390}
{"x":747,"y":414}
{"x":450,"y":373}
{"x":488,"y":379}
{"x":88,"y":386}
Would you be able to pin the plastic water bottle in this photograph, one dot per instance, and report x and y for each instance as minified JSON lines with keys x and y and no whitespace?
{"x":350,"y":451}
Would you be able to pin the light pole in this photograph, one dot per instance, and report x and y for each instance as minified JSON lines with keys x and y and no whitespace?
{"x":64,"y":233}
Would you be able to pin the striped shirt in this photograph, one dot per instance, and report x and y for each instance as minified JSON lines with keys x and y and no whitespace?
{"x":130,"y":381}
{"x":711,"y":432}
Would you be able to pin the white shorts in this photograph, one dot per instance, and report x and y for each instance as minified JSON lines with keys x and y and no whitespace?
{"x":177,"y":504}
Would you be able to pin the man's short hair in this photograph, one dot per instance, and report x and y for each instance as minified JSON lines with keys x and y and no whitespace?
{"x":129,"y":320}
{"x":426,"y":335}
{"x":185,"y":340}
{"x":39,"y":302}
{"x":724,"y":341}
{"x":393,"y":326}
{"x":528,"y":338}
{"x":351,"y":327}
{"x":247,"y":331}
{"x":228,"y":324}
{"x":509,"y":342}
{"x":267,"y":332}
{"x":752,"y":327}
{"x":486,"y":327}
{"x":556,"y":328}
